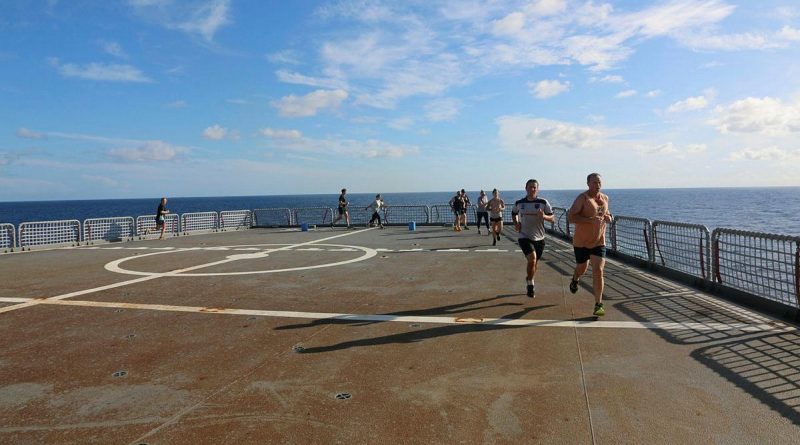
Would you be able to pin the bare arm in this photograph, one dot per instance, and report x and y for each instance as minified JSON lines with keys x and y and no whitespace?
{"x":574,"y":214}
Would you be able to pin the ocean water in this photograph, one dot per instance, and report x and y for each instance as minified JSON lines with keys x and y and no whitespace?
{"x":770,"y":209}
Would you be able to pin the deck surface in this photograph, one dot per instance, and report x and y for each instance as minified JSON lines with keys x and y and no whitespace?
{"x":425,"y":336}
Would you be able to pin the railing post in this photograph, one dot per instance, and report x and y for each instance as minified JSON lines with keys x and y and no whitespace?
{"x":797,"y":274}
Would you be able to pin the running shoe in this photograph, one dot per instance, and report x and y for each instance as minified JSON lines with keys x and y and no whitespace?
{"x":494,"y":241}
{"x":466,"y":227}
{"x":598,"y":310}
{"x":573,"y":285}
{"x":531,"y":292}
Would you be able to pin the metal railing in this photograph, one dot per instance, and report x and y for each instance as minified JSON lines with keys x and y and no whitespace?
{"x":682,"y":247}
{"x":146,"y":224}
{"x":312,"y":215}
{"x":631,"y":236}
{"x":196,"y":221}
{"x":235,"y":219}
{"x":108,"y":229}
{"x":275,"y":217}
{"x":762,"y":264}
{"x":560,"y":225}
{"x":8,"y":240}
{"x":49,"y":233}
{"x":403,"y":214}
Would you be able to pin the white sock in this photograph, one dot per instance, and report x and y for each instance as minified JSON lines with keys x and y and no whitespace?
{"x":530,"y":282}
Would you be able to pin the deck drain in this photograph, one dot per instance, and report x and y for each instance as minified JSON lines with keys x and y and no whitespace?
{"x":119,"y":374}
{"x":130,"y":336}
{"x":384,"y":256}
{"x":298,"y":349}
{"x":414,"y":325}
{"x":342,"y":396}
{"x":252,"y":318}
{"x":119,"y":310}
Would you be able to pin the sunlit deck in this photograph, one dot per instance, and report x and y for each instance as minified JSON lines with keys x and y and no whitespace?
{"x":375,"y":336}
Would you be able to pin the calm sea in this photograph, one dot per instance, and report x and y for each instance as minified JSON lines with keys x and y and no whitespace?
{"x":773,"y":209}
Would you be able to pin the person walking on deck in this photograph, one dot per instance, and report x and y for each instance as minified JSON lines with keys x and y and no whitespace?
{"x":529,"y":215}
{"x":457,"y":205}
{"x":376,"y":207}
{"x":482,"y":212}
{"x":496,"y":207}
{"x":161,"y":217}
{"x":467,"y":208}
{"x":590,"y":214}
{"x":342,"y":209}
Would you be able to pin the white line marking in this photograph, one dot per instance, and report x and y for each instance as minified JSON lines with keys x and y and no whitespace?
{"x":667,"y":326}
{"x":154,"y":276}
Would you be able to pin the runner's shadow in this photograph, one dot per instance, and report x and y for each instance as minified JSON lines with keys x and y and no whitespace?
{"x":441,"y":310}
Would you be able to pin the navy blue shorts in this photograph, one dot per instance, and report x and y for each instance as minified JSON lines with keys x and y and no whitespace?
{"x":582,"y":254}
{"x":529,"y":245}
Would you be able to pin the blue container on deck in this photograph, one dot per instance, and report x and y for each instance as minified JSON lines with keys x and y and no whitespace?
{"x":412,"y":226}
{"x":304,"y":227}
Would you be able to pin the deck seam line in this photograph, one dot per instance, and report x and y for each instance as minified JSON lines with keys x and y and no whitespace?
{"x":583,"y":370}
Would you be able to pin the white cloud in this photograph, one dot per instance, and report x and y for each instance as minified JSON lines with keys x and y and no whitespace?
{"x":763,"y":154}
{"x":526,"y":134}
{"x":149,"y":151}
{"x":300,"y":79}
{"x":548,"y":88}
{"x":653,"y":93}
{"x":201,"y":17}
{"x":101,"y":71}
{"x":294,"y":141}
{"x":664,"y":149}
{"x":215,"y":132}
{"x":114,"y":49}
{"x":401,"y":123}
{"x":177,"y":104}
{"x":310,"y":104}
{"x":288,"y":57}
{"x":29,"y":134}
{"x":280,"y":134}
{"x":743,"y":41}
{"x":607,"y":79}
{"x":626,"y":93}
{"x":753,"y":115}
{"x":696,"y":148}
{"x":101,"y":180}
{"x":546,"y":7}
{"x":688,"y":104}
{"x":442,"y":110}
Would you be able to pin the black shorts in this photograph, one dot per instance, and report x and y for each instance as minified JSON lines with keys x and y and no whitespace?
{"x":582,"y":254}
{"x":529,"y":245}
{"x":498,"y":219}
{"x":159,"y":222}
{"x":341,"y":210}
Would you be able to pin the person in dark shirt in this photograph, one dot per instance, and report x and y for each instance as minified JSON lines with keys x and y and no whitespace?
{"x":342,"y":209}
{"x":161,"y":217}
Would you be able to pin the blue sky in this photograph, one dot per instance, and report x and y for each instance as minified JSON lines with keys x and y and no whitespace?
{"x":144,"y":98}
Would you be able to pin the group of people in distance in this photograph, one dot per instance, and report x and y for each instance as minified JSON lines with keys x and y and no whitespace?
{"x":589,"y":213}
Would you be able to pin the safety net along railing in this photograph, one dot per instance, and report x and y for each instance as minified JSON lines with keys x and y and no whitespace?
{"x":197,"y":221}
{"x":273,"y":217}
{"x":49,"y":233}
{"x":312,"y":215}
{"x":235,"y":219}
{"x":763,"y":264}
{"x":560,"y":226}
{"x":108,"y":229}
{"x":146,"y":224}
{"x":631,"y":236}
{"x":403,"y":214}
{"x":8,"y":239}
{"x":682,"y":247}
